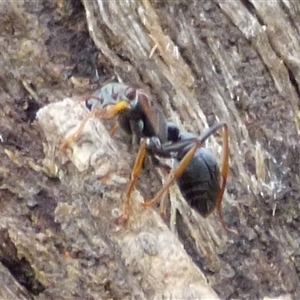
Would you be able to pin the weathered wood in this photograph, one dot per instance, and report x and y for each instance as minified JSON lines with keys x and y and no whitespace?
{"x":235,"y":61}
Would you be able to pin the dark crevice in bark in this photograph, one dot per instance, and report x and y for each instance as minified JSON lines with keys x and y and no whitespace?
{"x":20,"y":268}
{"x":30,"y":107}
{"x":293,"y":81}
{"x":188,"y":242}
{"x":287,"y":13}
{"x":250,"y":7}
{"x":291,"y":75}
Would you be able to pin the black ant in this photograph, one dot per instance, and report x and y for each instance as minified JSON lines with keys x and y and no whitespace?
{"x":197,"y":173}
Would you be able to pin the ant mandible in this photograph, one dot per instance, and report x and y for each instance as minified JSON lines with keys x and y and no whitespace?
{"x":197,"y":172}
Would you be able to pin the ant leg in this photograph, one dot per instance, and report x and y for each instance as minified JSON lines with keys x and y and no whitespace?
{"x":174,"y":175}
{"x":67,"y":142}
{"x":164,"y":203}
{"x":105,"y":113}
{"x":188,"y":158}
{"x":164,"y":206}
{"x":224,"y":175}
{"x":114,"y":130}
{"x":134,"y":177}
{"x":164,"y":200}
{"x":183,"y":163}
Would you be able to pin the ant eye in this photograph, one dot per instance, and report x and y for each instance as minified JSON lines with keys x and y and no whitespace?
{"x":89,"y":104}
{"x":130,"y":94}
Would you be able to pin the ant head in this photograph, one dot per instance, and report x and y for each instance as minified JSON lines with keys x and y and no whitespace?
{"x":112,"y":94}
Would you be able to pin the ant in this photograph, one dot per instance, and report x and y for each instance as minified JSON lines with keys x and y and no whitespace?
{"x":196,"y":173}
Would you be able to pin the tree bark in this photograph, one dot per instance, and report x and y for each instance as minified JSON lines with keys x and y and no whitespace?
{"x":203,"y":61}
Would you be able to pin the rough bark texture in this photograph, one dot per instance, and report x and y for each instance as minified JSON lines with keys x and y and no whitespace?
{"x":203,"y":61}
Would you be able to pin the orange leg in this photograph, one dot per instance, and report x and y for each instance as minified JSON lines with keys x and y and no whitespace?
{"x":101,"y":113}
{"x":166,"y":169}
{"x":164,"y":202}
{"x":164,"y":206}
{"x":173,"y":176}
{"x":224,"y":175}
{"x":138,"y":165}
{"x":186,"y":161}
{"x":67,"y":142}
{"x":114,"y":130}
